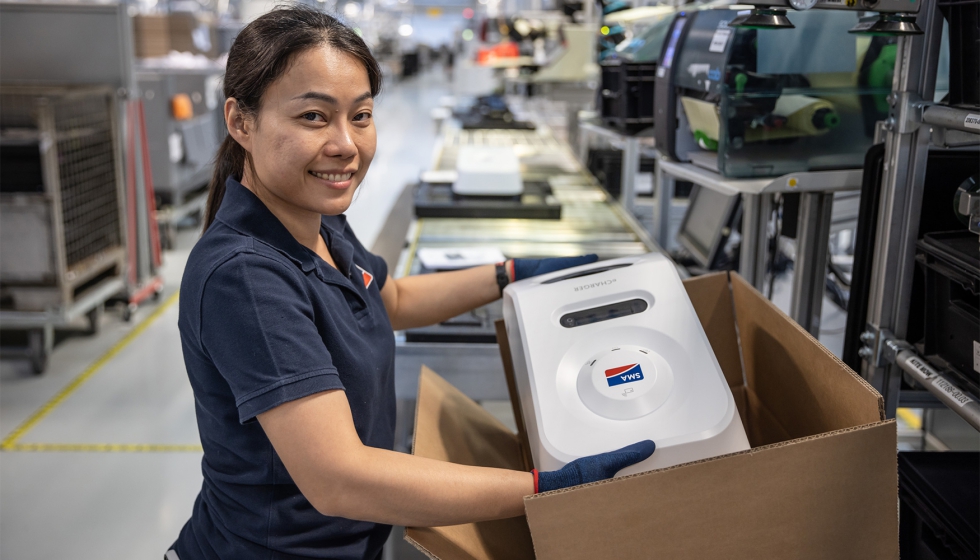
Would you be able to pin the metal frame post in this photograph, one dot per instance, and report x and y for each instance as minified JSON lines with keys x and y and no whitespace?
{"x":906,"y":153}
{"x":664,"y":185}
{"x":810,"y":270}
{"x":756,"y":213}
{"x":631,"y":165}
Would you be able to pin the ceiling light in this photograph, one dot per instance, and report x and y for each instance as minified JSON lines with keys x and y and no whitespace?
{"x":405,"y":30}
{"x":352,"y":9}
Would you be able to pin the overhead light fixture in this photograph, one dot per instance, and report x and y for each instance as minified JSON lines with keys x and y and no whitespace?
{"x":887,"y":25}
{"x":762,"y":18}
{"x":405,"y":29}
{"x":352,"y":9}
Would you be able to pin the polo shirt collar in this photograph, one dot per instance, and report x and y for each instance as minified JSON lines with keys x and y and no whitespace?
{"x":242,"y":211}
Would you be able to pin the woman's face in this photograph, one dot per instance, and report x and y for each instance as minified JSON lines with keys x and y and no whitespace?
{"x":313,"y":138}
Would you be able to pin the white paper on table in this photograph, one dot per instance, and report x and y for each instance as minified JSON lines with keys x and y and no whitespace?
{"x":452,"y":258}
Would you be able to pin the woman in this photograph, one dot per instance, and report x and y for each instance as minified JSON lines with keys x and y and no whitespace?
{"x":286,"y":323}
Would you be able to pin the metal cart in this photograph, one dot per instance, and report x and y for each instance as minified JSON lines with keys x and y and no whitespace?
{"x":61,"y":210}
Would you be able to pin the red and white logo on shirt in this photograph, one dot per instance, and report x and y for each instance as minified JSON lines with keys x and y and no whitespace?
{"x":366,"y":276}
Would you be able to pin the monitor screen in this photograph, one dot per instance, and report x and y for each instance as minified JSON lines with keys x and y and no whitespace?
{"x":708,"y":213}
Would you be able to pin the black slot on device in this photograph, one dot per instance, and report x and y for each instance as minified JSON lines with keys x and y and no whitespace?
{"x":603,"y":313}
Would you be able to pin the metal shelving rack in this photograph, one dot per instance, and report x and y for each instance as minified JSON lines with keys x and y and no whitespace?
{"x":915,"y":125}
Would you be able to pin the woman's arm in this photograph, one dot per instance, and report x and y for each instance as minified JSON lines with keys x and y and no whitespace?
{"x":426,"y":299}
{"x":316,"y":440}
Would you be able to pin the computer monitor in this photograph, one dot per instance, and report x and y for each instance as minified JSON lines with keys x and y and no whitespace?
{"x":709,"y":220}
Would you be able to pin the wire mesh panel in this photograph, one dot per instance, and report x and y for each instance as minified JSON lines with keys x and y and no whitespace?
{"x":87,"y":173}
{"x":58,"y":149}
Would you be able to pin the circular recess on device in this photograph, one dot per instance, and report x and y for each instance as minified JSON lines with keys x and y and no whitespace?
{"x":625,"y":382}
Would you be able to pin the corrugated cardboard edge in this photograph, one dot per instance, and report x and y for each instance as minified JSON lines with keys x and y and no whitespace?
{"x":735,"y":278}
{"x":753,"y":451}
{"x":695,"y":511}
{"x":465,"y":433}
{"x":515,"y":398}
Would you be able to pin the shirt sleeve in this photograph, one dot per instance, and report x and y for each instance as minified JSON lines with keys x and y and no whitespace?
{"x":257,"y":326}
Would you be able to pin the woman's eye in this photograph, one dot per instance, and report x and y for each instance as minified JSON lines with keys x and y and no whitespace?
{"x":312,"y":117}
{"x":362,"y":116}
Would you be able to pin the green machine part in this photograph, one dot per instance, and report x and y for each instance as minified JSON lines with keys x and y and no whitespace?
{"x":880,"y":74}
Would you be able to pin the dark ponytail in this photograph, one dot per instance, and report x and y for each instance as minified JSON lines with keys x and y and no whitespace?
{"x":258,"y":57}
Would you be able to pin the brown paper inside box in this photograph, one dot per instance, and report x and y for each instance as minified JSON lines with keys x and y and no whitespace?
{"x":820,"y":481}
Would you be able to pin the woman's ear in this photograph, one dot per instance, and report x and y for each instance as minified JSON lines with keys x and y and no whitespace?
{"x":239,"y":127}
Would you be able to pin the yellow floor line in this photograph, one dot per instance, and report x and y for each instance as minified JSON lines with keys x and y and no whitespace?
{"x":106,"y":447}
{"x":910,"y":418}
{"x":11,"y":440}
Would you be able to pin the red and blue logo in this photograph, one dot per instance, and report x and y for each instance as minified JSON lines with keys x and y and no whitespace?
{"x":624,"y":374}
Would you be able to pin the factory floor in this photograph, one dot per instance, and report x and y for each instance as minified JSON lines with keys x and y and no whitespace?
{"x":100,"y":455}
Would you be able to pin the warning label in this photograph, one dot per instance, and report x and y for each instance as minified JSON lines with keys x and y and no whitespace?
{"x":972,"y":121}
{"x":958,"y":396}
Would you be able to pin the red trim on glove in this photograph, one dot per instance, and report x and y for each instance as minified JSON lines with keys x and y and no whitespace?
{"x":535,"y":473}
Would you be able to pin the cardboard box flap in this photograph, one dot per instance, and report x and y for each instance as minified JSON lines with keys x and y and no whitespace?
{"x":712,"y":300}
{"x":793,"y":379}
{"x":742,"y":506}
{"x":449,"y":426}
{"x":515,"y":398}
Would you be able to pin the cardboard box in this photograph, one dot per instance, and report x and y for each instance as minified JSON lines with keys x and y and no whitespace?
{"x":820,"y":481}
{"x":193,"y":33}
{"x":151,"y":35}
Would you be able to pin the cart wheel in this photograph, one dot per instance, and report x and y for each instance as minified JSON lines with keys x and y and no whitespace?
{"x":129,"y":312}
{"x":38,"y":351}
{"x":95,"y":318}
{"x":157,"y":293}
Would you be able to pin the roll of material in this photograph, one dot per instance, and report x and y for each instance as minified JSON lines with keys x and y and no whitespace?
{"x":702,"y":116}
{"x":809,"y":116}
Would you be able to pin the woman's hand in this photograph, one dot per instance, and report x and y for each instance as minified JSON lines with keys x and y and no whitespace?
{"x":593,"y":468}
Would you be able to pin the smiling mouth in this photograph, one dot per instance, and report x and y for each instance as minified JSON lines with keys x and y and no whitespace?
{"x":334,"y":177}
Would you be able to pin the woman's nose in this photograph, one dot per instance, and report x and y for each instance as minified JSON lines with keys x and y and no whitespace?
{"x":340,"y":142}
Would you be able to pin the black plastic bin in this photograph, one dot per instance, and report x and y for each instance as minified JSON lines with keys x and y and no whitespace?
{"x":951,"y":265}
{"x":939,"y":494}
{"x":626,"y":95}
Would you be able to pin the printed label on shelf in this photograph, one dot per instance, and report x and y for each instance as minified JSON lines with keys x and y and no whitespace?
{"x":972,"y":121}
{"x":720,"y":40}
{"x":959,"y":397}
{"x":925,"y":370}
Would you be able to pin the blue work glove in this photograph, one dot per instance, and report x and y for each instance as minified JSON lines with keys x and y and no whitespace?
{"x":593,"y":468}
{"x":526,"y":268}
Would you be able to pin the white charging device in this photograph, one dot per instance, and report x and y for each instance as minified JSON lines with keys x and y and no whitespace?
{"x":488,"y":171}
{"x":612,"y":353}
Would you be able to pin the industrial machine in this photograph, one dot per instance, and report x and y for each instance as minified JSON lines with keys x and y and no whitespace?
{"x":756,"y":102}
{"x":185,"y":125}
{"x":612,"y":353}
{"x":626,"y":93}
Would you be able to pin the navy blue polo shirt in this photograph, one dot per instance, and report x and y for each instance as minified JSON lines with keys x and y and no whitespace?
{"x":263,"y":321}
